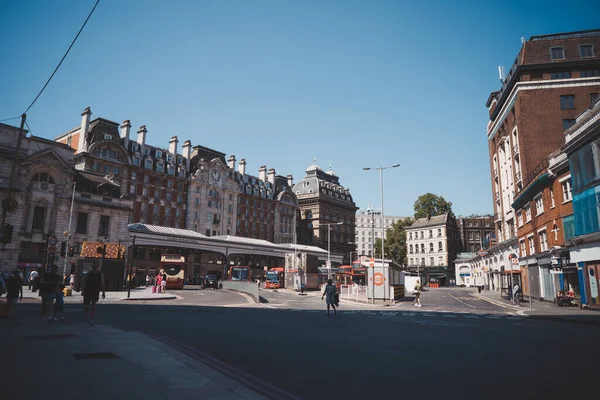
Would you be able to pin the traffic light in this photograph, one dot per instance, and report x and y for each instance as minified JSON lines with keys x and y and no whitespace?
{"x":71,"y":251}
{"x":63,"y":248}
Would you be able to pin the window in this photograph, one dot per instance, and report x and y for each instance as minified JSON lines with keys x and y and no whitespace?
{"x":566,"y":190}
{"x":567,"y":123}
{"x":417,"y":248}
{"x":527,"y":214}
{"x":39,"y":216}
{"x":430,"y":233}
{"x":523,"y":248}
{"x":543,"y":240}
{"x":146,"y":179}
{"x":422,"y":248}
{"x":593,"y":98}
{"x":520,"y":218}
{"x":557,"y":53}
{"x":168,"y":195}
{"x":439,"y":232}
{"x":158,"y":154}
{"x":440,"y":246}
{"x":567,"y":102}
{"x":409,"y":235}
{"x":440,"y":260}
{"x":431,"y":247}
{"x":82,"y":219}
{"x":422,"y":235}
{"x":552,"y":198}
{"x":586,"y":50}
{"x":411,"y":249}
{"x":133,"y":175}
{"x":531,"y":245}
{"x":590,"y":73}
{"x":560,"y":75}
{"x":136,"y":161}
{"x":423,"y":261}
{"x":42,"y":177}
{"x":569,"y":227}
{"x":132,"y":189}
{"x":411,"y":262}
{"x":104,"y":225}
{"x":209,"y":217}
{"x":539,"y":204}
{"x":148,"y":164}
{"x":431,"y":261}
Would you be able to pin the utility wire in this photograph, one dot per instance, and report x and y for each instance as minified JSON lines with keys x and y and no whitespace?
{"x":61,"y":61}
{"x":9,"y":119}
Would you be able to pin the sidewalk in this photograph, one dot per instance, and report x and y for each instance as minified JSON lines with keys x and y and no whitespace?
{"x":139,"y":294}
{"x":77,"y":361}
{"x":546,"y":310}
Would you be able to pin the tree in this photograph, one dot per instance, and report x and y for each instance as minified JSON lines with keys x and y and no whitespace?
{"x":430,"y":204}
{"x":395,"y":242}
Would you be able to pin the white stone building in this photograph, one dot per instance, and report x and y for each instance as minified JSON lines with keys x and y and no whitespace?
{"x":368,"y":228}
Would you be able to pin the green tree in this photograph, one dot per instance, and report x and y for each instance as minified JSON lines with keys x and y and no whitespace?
{"x":395,"y":242}
{"x":430,"y":204}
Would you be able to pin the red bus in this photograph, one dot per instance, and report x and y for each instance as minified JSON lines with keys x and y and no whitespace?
{"x":174,"y":266}
{"x":275,"y":277}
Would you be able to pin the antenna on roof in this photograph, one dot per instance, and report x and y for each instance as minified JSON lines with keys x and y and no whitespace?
{"x":501,"y":72}
{"x":523,"y":39}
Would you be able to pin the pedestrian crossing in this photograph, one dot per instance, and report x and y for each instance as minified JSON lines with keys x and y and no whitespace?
{"x":417,"y":315}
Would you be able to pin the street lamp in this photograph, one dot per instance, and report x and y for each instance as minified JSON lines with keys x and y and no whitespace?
{"x":382,"y":224}
{"x":329,"y":246}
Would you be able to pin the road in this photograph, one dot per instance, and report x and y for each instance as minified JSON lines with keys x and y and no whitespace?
{"x":455,"y":346}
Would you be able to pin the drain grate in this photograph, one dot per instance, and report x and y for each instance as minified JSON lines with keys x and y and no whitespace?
{"x":94,"y":356}
{"x":50,"y":336}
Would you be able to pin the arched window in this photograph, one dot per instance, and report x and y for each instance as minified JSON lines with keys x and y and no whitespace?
{"x":411,"y":249}
{"x":422,"y":248}
{"x":42,"y":177}
{"x":440,"y":246}
{"x":431,"y":247}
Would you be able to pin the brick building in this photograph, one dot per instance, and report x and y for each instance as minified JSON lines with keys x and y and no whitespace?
{"x":553,"y":79}
{"x":544,"y":223}
{"x":474,"y":231}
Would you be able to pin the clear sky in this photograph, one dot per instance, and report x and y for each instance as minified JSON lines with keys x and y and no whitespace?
{"x":354,"y":83}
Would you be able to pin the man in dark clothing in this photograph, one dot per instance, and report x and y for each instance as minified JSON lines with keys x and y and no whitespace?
{"x":14,"y":291}
{"x":48,"y":286}
{"x":94,"y":282}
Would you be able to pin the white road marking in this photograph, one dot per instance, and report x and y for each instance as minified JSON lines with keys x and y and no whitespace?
{"x":471,"y":316}
{"x":449,"y":316}
{"x":466,"y":304}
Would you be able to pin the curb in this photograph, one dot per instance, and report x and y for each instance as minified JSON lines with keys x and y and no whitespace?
{"x":174,"y":297}
{"x":499,"y":303}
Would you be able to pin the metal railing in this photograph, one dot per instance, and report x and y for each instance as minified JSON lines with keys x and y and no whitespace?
{"x":354,"y":292}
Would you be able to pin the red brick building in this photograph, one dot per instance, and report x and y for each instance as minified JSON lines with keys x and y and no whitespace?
{"x":544,"y":214}
{"x":553,"y":79}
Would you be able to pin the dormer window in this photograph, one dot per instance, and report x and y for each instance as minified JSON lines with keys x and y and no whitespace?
{"x":586,"y":50}
{"x":179,"y":160}
{"x":147,"y":151}
{"x":135,"y":147}
{"x":557,"y":53}
{"x":158,"y":154}
{"x":169,"y":157}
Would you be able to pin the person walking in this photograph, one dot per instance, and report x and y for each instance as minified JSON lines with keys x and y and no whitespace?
{"x":32,"y":277}
{"x":48,"y":285}
{"x":330,"y":293}
{"x":59,"y":305}
{"x":14,"y":291}
{"x":94,"y":282}
{"x":72,"y":281}
{"x":516,"y":296}
{"x":417,"y":293}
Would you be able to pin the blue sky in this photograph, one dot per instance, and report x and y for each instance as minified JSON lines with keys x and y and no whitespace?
{"x":354,"y":83}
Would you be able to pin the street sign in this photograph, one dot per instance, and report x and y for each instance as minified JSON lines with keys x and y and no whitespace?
{"x":482,"y":253}
{"x":372,"y":262}
{"x":52,"y":240}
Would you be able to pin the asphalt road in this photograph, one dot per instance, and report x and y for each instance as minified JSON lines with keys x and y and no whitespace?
{"x":365,"y":354}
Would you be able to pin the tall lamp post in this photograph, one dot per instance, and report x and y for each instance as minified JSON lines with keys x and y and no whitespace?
{"x":329,"y":246}
{"x":380,"y":169}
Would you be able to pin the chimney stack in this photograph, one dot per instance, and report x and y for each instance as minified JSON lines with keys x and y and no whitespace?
{"x":262,"y":173}
{"x":125,"y":129}
{"x":83,"y":132}
{"x":173,"y":146}
{"x":186,"y":152}
{"x":290,"y":180}
{"x":271,"y":176}
{"x":242,"y":167}
{"x":231,"y":162}
{"x":141,"y":138}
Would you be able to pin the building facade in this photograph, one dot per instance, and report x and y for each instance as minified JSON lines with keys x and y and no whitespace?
{"x":553,"y":79}
{"x":368,"y":228}
{"x":544,"y":223}
{"x":582,"y":148}
{"x":432,"y":245}
{"x":327,"y":212}
{"x":474,"y":231}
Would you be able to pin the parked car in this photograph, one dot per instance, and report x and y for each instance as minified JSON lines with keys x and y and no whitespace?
{"x":211,"y":281}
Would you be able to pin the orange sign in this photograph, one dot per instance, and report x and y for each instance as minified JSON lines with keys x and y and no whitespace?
{"x":379,"y":279}
{"x":372,"y":262}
